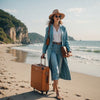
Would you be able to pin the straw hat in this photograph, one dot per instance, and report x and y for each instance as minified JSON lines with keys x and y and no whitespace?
{"x":56,"y":11}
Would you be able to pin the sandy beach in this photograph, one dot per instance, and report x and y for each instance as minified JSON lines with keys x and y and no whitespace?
{"x":15,"y":82}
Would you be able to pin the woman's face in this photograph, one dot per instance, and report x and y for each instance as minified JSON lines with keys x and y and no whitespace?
{"x":57,"y":18}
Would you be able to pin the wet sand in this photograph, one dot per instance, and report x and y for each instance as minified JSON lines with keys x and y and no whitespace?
{"x":15,"y":80}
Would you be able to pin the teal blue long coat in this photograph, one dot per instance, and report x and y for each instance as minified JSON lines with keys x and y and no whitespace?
{"x":65,"y":73}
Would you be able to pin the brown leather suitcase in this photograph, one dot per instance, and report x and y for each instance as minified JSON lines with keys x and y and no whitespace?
{"x":40,"y":77}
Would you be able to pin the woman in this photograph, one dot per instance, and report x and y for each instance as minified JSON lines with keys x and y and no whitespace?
{"x":58,"y":37}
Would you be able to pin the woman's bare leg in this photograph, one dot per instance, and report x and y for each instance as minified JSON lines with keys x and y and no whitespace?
{"x":55,"y":87}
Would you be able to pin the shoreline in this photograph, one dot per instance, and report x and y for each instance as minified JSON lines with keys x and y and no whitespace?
{"x":15,"y":82}
{"x":73,"y":66}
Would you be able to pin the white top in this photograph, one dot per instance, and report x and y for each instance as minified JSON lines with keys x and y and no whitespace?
{"x":56,"y":35}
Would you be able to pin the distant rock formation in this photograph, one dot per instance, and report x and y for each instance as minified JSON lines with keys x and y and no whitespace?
{"x":35,"y":38}
{"x":71,"y":38}
{"x":15,"y":30}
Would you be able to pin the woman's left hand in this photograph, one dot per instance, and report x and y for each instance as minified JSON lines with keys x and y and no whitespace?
{"x":69,"y":54}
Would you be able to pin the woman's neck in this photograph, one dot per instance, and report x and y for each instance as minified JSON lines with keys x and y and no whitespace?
{"x":56,"y":24}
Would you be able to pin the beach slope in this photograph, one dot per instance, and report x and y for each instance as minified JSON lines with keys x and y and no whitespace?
{"x":15,"y":82}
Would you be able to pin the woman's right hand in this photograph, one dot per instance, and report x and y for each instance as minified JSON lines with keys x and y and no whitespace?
{"x":43,"y":55}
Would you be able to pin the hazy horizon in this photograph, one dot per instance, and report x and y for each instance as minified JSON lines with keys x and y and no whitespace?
{"x":82,"y":18}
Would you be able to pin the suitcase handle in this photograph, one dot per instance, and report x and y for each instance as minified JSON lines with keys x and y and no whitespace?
{"x":44,"y":61}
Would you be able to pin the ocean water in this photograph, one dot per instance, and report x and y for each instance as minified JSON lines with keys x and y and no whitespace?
{"x":85,"y":59}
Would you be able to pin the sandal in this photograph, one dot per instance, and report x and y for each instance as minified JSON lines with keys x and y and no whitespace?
{"x":59,"y":98}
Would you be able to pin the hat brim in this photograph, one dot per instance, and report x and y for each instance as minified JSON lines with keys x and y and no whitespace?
{"x":62,"y":15}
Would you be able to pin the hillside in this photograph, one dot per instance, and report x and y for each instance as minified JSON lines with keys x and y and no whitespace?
{"x":12,"y":28}
{"x":71,"y":38}
{"x":35,"y":38}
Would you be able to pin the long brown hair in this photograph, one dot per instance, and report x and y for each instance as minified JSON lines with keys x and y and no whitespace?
{"x":51,"y":21}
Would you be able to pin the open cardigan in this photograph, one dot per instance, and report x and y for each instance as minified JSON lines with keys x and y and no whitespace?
{"x":65,"y":72}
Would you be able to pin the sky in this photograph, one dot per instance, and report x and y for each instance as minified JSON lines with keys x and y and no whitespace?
{"x":82,"y":17}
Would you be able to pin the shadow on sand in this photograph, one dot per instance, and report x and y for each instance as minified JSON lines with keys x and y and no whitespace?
{"x":33,"y":95}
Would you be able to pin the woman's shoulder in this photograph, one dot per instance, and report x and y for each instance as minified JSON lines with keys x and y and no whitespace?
{"x":63,"y":27}
{"x":47,"y":27}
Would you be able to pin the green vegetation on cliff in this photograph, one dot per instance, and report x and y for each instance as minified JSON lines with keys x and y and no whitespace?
{"x":4,"y":37}
{"x":7,"y":21}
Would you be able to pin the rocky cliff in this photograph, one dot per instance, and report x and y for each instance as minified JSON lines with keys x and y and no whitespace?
{"x":14,"y":29}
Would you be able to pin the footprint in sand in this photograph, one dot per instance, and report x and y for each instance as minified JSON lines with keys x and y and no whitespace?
{"x":66,"y":92}
{"x":22,"y":86}
{"x":78,"y":95}
{"x":5,"y":78}
{"x":1,"y":73}
{"x":4,"y":88}
{"x":3,"y":70}
{"x":0,"y":81}
{"x":87,"y":99}
{"x":9,"y":82}
{"x":12,"y":77}
{"x":1,"y":93}
{"x":16,"y":84}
